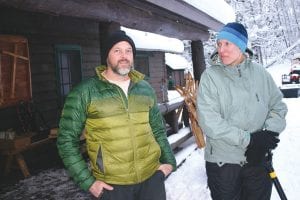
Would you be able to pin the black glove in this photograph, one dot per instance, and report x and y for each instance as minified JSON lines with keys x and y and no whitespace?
{"x":271,"y":139}
{"x":261,"y":142}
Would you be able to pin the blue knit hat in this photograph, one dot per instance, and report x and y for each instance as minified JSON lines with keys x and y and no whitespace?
{"x":235,"y":33}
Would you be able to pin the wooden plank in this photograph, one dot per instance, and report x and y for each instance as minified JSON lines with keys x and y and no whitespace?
{"x":22,"y":165}
{"x":15,"y":76}
{"x":180,"y":141}
{"x":15,"y":73}
{"x":18,"y":143}
{"x":14,"y":55}
{"x":178,"y":138}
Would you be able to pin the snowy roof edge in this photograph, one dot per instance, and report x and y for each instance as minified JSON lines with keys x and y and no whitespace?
{"x":146,"y":41}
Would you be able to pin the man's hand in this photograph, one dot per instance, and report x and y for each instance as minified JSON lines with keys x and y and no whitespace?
{"x":166,"y":169}
{"x":98,"y":187}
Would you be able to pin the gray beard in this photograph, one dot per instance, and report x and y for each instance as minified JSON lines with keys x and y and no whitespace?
{"x":122,"y":72}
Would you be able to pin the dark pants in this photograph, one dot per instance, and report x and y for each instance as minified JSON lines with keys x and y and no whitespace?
{"x":151,"y":189}
{"x":234,"y":182}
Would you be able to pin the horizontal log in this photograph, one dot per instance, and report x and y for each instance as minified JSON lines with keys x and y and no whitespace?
{"x":168,"y":107}
{"x":182,"y":21}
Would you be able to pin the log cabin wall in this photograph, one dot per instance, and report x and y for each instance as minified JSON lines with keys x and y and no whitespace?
{"x":152,"y":64}
{"x":158,"y":75}
{"x":43,"y":33}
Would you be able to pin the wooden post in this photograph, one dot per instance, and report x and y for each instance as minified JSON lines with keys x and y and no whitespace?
{"x":22,"y":164}
{"x":20,"y":161}
{"x":198,"y":59}
{"x":172,"y":120}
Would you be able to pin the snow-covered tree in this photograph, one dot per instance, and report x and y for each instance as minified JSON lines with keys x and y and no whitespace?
{"x":273,"y":25}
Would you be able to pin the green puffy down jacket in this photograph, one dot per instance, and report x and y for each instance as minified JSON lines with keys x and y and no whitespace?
{"x":126,"y":139}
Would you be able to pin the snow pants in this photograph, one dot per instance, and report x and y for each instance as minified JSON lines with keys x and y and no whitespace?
{"x":151,"y":189}
{"x":236,"y":182}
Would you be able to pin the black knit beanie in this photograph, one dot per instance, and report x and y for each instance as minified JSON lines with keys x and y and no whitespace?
{"x":116,"y":37}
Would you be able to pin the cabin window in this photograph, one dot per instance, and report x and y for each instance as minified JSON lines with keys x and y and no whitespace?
{"x":141,"y":64}
{"x":68,"y":60}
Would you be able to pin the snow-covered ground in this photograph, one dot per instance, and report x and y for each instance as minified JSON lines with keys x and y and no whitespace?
{"x":189,"y":181}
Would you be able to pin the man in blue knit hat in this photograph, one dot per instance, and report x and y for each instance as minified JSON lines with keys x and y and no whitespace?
{"x":241,"y":112}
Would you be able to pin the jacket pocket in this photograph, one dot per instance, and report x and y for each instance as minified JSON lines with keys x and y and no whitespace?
{"x":99,"y":160}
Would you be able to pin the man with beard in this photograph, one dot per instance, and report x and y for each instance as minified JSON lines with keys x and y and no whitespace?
{"x":126,"y":140}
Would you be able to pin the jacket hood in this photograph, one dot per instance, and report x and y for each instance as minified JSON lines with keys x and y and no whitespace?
{"x":134,"y":75}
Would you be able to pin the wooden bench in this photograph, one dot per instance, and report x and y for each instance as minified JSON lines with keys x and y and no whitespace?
{"x":13,"y":149}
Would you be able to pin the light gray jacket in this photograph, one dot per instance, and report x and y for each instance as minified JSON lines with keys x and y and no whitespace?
{"x":232,"y":103}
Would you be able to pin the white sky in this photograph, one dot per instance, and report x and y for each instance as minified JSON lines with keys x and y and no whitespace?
{"x":218,"y":9}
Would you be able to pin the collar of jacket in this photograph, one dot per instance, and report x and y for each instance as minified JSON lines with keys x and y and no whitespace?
{"x":236,"y":70}
{"x":231,"y":72}
{"x":134,"y":75}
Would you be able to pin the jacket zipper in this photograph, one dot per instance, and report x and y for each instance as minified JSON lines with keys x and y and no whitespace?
{"x":133,"y":143}
{"x":126,"y":105}
{"x":239,"y":71}
{"x":121,"y":93}
{"x":257,"y":98}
